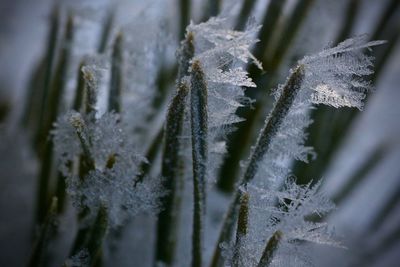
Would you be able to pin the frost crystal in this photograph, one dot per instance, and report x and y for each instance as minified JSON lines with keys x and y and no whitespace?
{"x":223,"y":54}
{"x":112,"y":180}
{"x":336,"y":74}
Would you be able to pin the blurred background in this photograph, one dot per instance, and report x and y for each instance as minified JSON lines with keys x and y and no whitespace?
{"x":358,"y":152}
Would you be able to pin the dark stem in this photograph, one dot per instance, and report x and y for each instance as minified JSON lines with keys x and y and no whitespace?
{"x":172,"y":178}
{"x":271,"y":126}
{"x":116,"y":83}
{"x":199,"y":129}
{"x":270,"y":249}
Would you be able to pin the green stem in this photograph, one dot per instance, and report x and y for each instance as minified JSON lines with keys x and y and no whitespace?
{"x":184,"y":18}
{"x":106,"y":31}
{"x":199,"y":126}
{"x":242,"y":227}
{"x":172,"y":178}
{"x":272,"y":124}
{"x":270,"y":249}
{"x":97,"y":234}
{"x":52,"y":105}
{"x":116,"y":83}
{"x":38,"y":96}
{"x":47,"y":230}
{"x":244,"y":14}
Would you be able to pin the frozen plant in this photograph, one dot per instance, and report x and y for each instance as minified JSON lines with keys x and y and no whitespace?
{"x":133,"y":141}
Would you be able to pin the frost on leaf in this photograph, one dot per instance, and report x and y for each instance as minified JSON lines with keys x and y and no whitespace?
{"x":224,"y":55}
{"x":337,"y":75}
{"x":295,"y":211}
{"x":111,"y":182}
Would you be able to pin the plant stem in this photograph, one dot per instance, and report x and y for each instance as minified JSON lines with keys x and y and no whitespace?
{"x":171,"y":173}
{"x":184,"y":18}
{"x":273,"y":122}
{"x":270,"y":249}
{"x":186,"y":53}
{"x":242,"y":227}
{"x":271,"y":126}
{"x":199,"y":126}
{"x":52,"y":105}
{"x":48,"y":228}
{"x":116,"y":83}
{"x":106,"y":30}
{"x":38,"y":96}
{"x":96,"y":235}
{"x":244,"y":14}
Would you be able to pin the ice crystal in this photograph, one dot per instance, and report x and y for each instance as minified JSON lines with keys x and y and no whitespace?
{"x":223,"y":54}
{"x":337,"y":74}
{"x":111,"y":182}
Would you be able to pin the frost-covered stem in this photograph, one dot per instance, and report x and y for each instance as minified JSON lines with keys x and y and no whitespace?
{"x":96,"y":235}
{"x":90,"y":93}
{"x":47,"y":230}
{"x":106,"y":30}
{"x":242,"y":227}
{"x":40,"y":93}
{"x":185,"y":17}
{"x":116,"y":82}
{"x":199,"y":129}
{"x":51,"y":107}
{"x":80,"y":89}
{"x":171,"y":173}
{"x":273,"y":121}
{"x":270,"y":249}
{"x":186,"y":54}
{"x":87,"y":161}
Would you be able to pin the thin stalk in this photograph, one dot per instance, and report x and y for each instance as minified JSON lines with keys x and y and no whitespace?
{"x":271,"y":126}
{"x":289,"y":33}
{"x":351,"y":14}
{"x":244,"y":14}
{"x":44,"y":146}
{"x":172,"y":178}
{"x":199,"y":129}
{"x":80,"y":89}
{"x":116,"y":82}
{"x":270,"y":20}
{"x":242,"y":228}
{"x":47,"y":230}
{"x":90,"y":93}
{"x":106,"y":31}
{"x":38,"y":96}
{"x":186,"y":53}
{"x":53,"y":103}
{"x":87,"y":161}
{"x":184,"y":17}
{"x":246,"y":131}
{"x":273,"y":122}
{"x":270,"y":249}
{"x":97,"y":234}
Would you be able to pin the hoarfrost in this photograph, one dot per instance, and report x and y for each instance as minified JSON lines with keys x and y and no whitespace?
{"x":112,"y":181}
